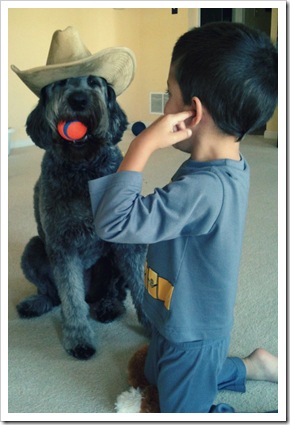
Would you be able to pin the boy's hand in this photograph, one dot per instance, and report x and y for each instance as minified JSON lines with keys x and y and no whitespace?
{"x":164,"y":132}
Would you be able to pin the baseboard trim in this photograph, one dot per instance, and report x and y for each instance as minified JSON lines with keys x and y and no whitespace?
{"x":268,"y":134}
{"x":15,"y":144}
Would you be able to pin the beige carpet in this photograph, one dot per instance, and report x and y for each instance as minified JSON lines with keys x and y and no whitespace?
{"x":44,"y":379}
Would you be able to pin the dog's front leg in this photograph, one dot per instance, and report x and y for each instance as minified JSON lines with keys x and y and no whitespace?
{"x":78,"y":336}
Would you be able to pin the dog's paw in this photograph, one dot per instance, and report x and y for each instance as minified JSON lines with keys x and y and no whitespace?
{"x":82,"y":352}
{"x":78,"y":340}
{"x":34,"y":306}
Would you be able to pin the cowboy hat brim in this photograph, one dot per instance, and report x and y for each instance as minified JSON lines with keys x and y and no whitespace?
{"x":117,"y":65}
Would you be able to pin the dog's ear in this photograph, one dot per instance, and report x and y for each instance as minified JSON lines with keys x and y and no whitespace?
{"x":36,"y":124}
{"x":117,"y":117}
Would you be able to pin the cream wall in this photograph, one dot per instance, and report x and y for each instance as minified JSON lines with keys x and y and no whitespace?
{"x":150,"y":33}
{"x":160,"y":31}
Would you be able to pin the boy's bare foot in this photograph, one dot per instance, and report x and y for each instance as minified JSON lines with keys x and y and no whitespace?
{"x":261,"y":366}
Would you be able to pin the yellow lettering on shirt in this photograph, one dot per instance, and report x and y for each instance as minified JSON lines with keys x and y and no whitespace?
{"x":158,"y":287}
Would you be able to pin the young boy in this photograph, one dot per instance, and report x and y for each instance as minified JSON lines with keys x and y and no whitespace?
{"x":222,"y":85}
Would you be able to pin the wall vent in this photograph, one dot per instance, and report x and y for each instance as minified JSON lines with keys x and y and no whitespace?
{"x":158,"y":102}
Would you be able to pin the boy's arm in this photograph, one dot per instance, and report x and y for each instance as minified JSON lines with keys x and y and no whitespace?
{"x":123,"y":215}
{"x":164,"y":132}
{"x":120,"y":213}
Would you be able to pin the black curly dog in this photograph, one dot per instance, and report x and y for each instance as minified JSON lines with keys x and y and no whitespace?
{"x":67,"y":261}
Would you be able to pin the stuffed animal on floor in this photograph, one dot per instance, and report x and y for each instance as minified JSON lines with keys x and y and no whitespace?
{"x":141,"y":397}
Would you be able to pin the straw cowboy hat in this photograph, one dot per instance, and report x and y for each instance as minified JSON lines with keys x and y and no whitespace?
{"x":68,"y":57}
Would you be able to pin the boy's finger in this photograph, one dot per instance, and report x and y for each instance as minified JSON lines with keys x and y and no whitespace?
{"x":180,"y":135}
{"x":181,"y":126}
{"x":182,"y":116}
{"x":178,"y":120}
{"x":179,"y":117}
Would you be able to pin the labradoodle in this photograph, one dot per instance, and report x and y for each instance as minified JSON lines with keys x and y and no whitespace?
{"x":67,"y":262}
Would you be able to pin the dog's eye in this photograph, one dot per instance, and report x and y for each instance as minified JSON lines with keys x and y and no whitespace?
{"x":93,"y":81}
{"x":61,"y":83}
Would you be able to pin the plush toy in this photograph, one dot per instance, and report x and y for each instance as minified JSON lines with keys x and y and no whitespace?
{"x":141,"y":397}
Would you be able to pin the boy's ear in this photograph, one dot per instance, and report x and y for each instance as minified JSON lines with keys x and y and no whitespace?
{"x":197,"y":109}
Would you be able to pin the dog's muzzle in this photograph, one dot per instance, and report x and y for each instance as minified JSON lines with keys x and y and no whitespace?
{"x":80,"y":117}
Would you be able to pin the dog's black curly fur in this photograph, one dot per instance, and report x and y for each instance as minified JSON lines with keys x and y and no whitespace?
{"x":67,"y":261}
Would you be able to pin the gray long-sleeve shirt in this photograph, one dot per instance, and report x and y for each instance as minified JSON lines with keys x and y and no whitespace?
{"x":194,"y":227}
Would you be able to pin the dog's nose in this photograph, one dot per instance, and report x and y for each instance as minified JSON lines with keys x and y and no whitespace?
{"x":78,"y":101}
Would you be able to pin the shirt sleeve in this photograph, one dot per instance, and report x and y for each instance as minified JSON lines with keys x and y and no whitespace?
{"x":189,"y":205}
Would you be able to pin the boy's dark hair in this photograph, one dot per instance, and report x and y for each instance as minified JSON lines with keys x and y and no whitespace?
{"x":233,"y":70}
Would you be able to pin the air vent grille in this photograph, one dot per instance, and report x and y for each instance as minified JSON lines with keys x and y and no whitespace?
{"x":158,"y":102}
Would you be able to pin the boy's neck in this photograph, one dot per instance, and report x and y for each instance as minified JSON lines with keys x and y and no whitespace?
{"x":214,"y":148}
